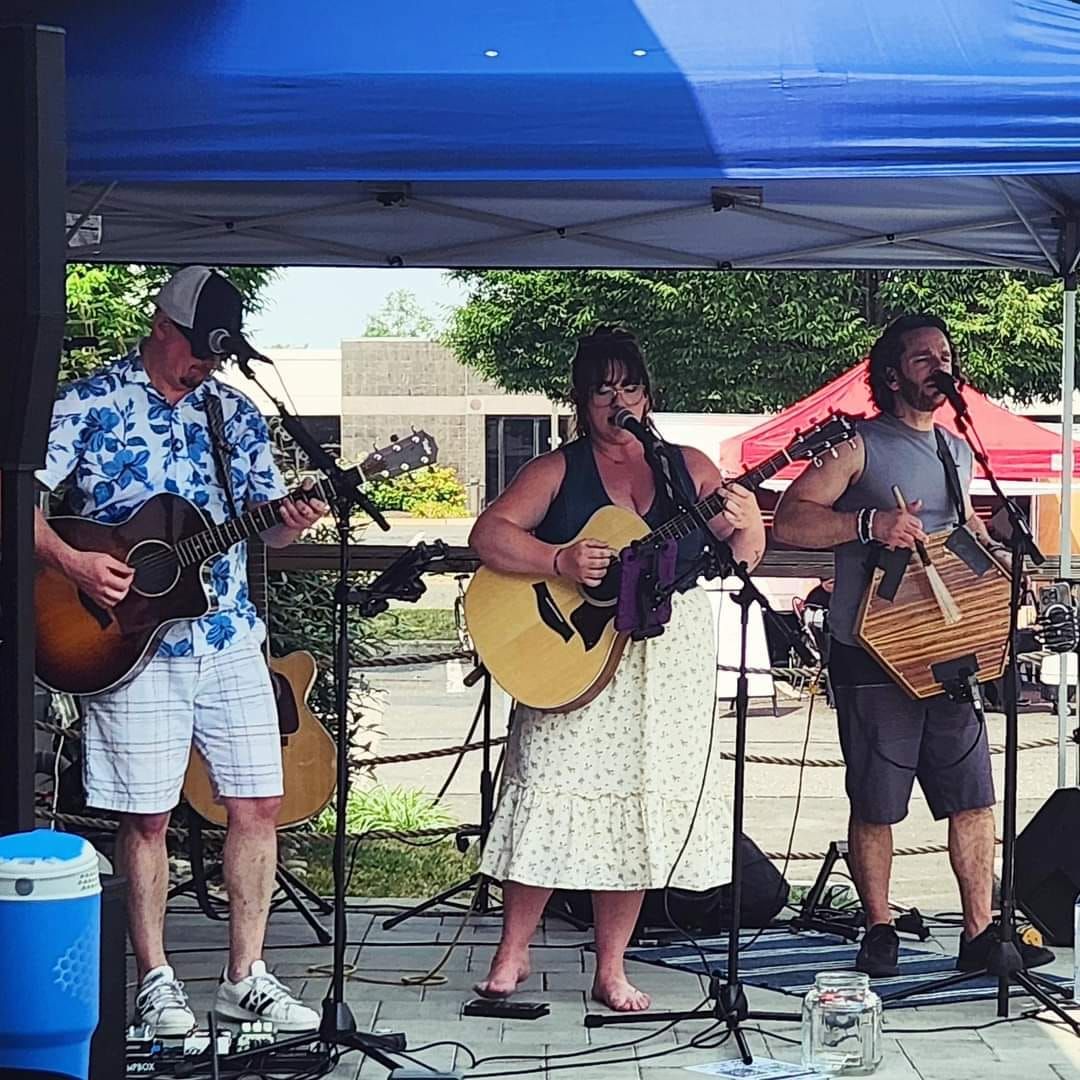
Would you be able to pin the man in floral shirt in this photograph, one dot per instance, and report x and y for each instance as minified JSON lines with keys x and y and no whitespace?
{"x":134,"y":430}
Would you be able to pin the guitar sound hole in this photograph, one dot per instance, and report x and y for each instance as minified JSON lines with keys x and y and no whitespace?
{"x":156,"y":566}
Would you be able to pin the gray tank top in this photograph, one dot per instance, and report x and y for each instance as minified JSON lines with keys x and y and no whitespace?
{"x":901,"y":455}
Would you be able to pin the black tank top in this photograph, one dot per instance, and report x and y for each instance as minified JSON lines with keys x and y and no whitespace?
{"x":582,"y":493}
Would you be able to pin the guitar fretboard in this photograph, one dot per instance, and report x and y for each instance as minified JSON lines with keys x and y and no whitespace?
{"x":199,"y":547}
{"x":694,"y":518}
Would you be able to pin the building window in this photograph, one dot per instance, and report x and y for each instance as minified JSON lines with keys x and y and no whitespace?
{"x":510,"y":442}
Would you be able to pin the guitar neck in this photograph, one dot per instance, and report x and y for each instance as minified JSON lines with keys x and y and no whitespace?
{"x":690,"y":520}
{"x":201,"y":546}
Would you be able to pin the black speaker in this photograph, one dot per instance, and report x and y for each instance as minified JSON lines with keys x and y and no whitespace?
{"x":1048,"y":866}
{"x":108,"y":1044}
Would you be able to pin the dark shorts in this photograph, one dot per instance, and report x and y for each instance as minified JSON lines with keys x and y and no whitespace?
{"x":889,"y":739}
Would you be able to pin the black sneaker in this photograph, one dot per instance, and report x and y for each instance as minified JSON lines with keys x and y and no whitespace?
{"x":878,"y":951}
{"x":974,"y":953}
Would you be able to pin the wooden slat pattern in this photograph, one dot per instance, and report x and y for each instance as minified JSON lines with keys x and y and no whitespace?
{"x":908,"y":633}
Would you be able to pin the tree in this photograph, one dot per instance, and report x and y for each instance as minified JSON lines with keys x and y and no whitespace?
{"x":113,"y":303}
{"x":401,"y":316}
{"x":753,"y":341}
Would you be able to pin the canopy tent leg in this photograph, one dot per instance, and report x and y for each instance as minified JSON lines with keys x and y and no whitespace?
{"x":1070,"y":250}
{"x":32,"y":174}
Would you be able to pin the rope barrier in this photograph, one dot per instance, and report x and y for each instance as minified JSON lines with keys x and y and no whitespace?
{"x":410,"y":661}
{"x":449,"y":751}
{"x":314,"y":839}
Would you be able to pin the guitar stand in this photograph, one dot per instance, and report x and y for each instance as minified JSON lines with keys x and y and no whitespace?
{"x":477,"y":883}
{"x":297,"y":893}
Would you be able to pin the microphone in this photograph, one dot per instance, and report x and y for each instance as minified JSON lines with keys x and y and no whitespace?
{"x":626,"y":420}
{"x":222,"y":343}
{"x":951,"y":389}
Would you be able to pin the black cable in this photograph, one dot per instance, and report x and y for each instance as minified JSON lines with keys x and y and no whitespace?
{"x":461,"y":754}
{"x":686,"y":932}
{"x":586,"y":1051}
{"x":794,"y":817}
{"x":692,"y":1044}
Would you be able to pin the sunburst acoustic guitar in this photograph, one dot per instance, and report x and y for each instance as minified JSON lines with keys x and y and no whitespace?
{"x":83,"y":648}
{"x":551,"y":643}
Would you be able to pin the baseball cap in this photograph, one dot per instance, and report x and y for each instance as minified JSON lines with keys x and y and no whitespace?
{"x":200,"y":301}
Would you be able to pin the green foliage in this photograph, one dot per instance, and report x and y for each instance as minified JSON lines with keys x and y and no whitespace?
{"x":401,"y":316}
{"x":399,"y":809}
{"x":430,"y":492}
{"x":115,"y":303}
{"x":386,"y":868}
{"x":751,"y":341}
{"x":415,"y":624}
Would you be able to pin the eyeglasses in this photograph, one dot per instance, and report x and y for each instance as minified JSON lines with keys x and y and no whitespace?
{"x":631,"y":393}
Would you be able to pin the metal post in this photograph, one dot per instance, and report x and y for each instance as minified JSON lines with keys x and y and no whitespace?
{"x":33,"y":172}
{"x":1070,"y":247}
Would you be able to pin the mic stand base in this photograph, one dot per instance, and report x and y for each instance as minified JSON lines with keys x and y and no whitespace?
{"x":729,"y":1007}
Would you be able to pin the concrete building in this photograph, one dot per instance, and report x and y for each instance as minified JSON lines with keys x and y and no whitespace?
{"x":390,"y":385}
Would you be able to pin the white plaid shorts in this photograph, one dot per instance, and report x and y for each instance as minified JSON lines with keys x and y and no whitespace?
{"x":137,"y":738}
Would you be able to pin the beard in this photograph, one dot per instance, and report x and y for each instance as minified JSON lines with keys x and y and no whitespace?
{"x":919,"y":396}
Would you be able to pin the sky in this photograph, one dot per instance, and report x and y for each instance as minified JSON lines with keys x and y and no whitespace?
{"x":318,"y":307}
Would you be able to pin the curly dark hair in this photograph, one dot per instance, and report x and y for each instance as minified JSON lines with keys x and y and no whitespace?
{"x":886,"y":352}
{"x":601,"y":353}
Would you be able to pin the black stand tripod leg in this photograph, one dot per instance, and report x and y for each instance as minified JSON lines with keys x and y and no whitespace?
{"x":196,"y":884}
{"x":482,"y":885}
{"x":287,"y":883}
{"x":807,"y":918}
{"x":320,"y":903}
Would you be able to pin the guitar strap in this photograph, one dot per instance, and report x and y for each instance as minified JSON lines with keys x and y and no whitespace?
{"x":215,"y":421}
{"x":952,"y":476}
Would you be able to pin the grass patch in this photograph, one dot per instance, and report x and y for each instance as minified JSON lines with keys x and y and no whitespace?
{"x":414,"y":624}
{"x":390,"y":868}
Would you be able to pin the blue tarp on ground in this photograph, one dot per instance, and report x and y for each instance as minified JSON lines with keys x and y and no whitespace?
{"x":551,"y":132}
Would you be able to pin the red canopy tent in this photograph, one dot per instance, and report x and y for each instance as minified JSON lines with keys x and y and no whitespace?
{"x":1019,"y":449}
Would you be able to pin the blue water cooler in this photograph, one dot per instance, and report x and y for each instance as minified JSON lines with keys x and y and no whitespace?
{"x":50,"y":927}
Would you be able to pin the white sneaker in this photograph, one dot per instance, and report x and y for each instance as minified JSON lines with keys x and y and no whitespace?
{"x":162,"y":1005}
{"x":260,"y":996}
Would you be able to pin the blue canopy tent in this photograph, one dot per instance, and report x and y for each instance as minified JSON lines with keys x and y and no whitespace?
{"x":550,"y":133}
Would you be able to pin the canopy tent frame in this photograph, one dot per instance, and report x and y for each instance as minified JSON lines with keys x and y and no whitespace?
{"x":647,"y":134}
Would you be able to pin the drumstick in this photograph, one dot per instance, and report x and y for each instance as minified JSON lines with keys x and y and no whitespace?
{"x":947,"y":605}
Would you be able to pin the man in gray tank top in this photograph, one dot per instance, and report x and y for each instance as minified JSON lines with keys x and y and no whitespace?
{"x":889,"y":738}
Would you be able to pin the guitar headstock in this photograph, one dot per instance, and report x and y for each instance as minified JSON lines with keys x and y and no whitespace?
{"x":400,"y":456}
{"x":822,"y":439}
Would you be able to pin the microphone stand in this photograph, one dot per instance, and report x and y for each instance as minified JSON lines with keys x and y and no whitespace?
{"x":338,"y":1025}
{"x":1003,"y":960}
{"x":726,"y":992}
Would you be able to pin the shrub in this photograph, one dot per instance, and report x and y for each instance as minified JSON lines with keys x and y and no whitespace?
{"x":432,"y":492}
{"x":398,"y":809}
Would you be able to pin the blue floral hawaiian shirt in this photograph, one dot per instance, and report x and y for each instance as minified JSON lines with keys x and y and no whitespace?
{"x":120,"y":442}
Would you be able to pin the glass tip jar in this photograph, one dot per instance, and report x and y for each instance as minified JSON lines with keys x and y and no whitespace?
{"x":841,"y":1025}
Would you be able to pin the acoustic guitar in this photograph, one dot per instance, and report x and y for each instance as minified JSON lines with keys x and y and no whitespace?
{"x":83,"y":648}
{"x":308,"y":754}
{"x":551,"y":643}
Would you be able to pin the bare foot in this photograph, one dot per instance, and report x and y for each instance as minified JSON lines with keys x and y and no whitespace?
{"x":503,"y":977}
{"x":620,"y":995}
